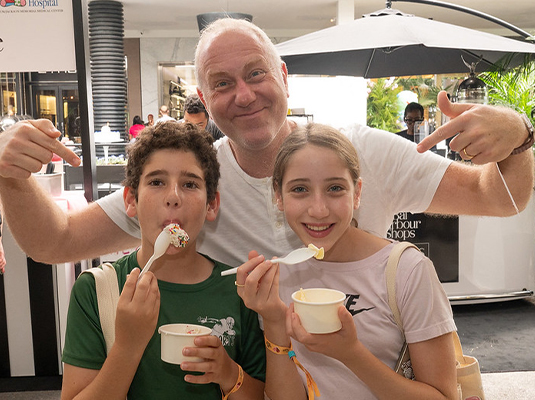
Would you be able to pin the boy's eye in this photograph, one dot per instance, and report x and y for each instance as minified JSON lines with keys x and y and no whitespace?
{"x":155,"y":182}
{"x":191,"y":185}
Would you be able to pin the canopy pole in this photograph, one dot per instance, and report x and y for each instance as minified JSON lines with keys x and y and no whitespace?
{"x":471,"y":11}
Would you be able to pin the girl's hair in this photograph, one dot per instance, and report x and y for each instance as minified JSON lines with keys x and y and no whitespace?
{"x":174,"y":136}
{"x":317,"y":135}
{"x":223,"y":25}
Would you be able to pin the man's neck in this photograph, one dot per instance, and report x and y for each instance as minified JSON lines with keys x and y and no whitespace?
{"x":260,"y":163}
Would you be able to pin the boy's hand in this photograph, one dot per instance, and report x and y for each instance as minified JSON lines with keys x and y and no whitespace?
{"x":261,"y":290}
{"x":217,"y":366}
{"x":137,"y":311}
{"x":340,"y":345}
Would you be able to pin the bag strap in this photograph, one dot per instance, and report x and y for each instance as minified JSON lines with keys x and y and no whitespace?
{"x":107,"y":288}
{"x":391,"y":269}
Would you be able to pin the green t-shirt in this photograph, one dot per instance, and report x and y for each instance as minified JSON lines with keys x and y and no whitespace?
{"x":213,"y":303}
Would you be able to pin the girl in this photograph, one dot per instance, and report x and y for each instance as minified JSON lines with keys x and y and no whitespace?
{"x":317,"y":186}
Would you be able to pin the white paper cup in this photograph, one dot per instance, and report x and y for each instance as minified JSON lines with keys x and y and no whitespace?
{"x":319,"y":310}
{"x":177,"y":336}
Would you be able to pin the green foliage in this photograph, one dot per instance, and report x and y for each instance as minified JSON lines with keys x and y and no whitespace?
{"x":383,"y":105}
{"x":514,"y":88}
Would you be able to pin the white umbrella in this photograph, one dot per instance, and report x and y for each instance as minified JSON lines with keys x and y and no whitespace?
{"x":390,"y":43}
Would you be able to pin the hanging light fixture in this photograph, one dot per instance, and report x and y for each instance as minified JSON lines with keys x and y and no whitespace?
{"x":472,"y":89}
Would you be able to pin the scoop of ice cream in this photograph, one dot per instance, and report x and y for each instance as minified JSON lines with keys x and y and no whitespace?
{"x":179,"y":237}
{"x":319,"y":251}
{"x":301,"y":295}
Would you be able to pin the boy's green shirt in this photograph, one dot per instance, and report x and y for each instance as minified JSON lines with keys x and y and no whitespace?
{"x":213,"y":303}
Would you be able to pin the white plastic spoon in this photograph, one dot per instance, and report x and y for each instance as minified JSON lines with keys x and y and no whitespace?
{"x":294,"y":257}
{"x":160,"y":246}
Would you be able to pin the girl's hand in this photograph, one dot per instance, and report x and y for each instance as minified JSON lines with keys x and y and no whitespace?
{"x":340,"y":345}
{"x":261,"y":290}
{"x":217,"y":366}
{"x":137,"y":311}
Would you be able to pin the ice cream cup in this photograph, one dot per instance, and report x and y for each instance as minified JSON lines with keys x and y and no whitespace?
{"x":318,"y":310}
{"x":177,"y":336}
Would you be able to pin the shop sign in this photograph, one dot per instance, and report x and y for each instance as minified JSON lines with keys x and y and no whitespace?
{"x":436,"y":237}
{"x":36,"y":35}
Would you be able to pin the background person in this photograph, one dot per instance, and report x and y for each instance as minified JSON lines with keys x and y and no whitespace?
{"x":413,"y":113}
{"x":243,"y":83}
{"x":163,"y":115}
{"x":195,"y":112}
{"x":137,"y":126}
{"x":150,"y":120}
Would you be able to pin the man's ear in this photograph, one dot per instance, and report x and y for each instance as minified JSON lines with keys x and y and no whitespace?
{"x":129,"y":201}
{"x":201,"y":97}
{"x":213,"y":208}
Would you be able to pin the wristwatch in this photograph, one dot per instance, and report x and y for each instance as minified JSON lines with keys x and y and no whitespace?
{"x":529,"y":141}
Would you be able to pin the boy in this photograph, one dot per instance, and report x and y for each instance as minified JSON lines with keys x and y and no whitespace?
{"x":171,"y":177}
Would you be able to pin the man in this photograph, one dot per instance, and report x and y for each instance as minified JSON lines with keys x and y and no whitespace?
{"x":414,"y":112}
{"x":195,"y":112}
{"x":243,"y":83}
{"x":164,"y":115}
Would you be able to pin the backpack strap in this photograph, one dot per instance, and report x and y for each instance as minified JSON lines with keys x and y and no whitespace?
{"x":391,"y":269}
{"x":107,"y":288}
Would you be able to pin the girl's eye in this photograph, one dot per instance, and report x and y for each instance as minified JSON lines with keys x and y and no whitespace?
{"x":298,"y":189}
{"x":336,"y":188}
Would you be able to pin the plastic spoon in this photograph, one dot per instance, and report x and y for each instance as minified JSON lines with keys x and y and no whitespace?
{"x":160,"y":246}
{"x":294,"y":257}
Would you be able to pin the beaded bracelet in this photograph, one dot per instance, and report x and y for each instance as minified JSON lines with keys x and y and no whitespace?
{"x":236,"y":386}
{"x":312,"y":387}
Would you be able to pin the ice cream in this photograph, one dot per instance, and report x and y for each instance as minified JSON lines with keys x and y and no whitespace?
{"x":319,"y":251}
{"x":179,"y":237}
{"x":189,"y":330}
{"x":301,"y":295}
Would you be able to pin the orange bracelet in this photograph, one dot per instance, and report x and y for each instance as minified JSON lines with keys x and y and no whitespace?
{"x":312,"y":387}
{"x":236,"y":386}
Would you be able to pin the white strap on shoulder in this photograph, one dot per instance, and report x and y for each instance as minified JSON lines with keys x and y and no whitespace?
{"x":391,"y":269}
{"x":107,"y":288}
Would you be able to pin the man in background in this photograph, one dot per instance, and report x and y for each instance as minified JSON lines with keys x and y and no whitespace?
{"x":414,"y":112}
{"x":195,"y":113}
{"x":164,"y":115}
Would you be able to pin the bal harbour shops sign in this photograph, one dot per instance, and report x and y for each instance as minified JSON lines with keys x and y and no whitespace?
{"x":36,"y":35}
{"x":436,"y":236}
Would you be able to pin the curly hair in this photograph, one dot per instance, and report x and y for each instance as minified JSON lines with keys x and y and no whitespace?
{"x":175,"y":136}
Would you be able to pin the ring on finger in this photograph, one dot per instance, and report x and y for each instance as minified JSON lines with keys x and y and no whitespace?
{"x":237,"y":284}
{"x":468,"y":156}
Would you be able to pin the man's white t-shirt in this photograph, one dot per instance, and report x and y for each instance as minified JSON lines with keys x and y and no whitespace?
{"x":395,"y":178}
{"x":423,"y":305}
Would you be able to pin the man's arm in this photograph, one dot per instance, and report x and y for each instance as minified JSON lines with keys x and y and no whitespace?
{"x":40,"y":227}
{"x":489,"y":134}
{"x":48,"y":234}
